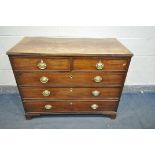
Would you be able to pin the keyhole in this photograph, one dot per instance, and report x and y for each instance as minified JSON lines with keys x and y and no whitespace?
{"x":71,"y":76}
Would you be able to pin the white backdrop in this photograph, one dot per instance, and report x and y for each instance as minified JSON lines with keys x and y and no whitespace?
{"x":140,"y":40}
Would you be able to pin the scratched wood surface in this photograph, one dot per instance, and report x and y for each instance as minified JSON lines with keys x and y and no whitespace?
{"x":69,"y":46}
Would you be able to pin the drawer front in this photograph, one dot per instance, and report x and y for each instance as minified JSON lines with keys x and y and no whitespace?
{"x":100,"y":64}
{"x":31,"y":63}
{"x":70,"y":106}
{"x":69,"y":93}
{"x":65,"y":79}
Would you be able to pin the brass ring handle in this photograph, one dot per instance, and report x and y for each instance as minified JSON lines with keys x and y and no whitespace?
{"x":95,"y":93}
{"x":48,"y":106}
{"x":42,"y":65}
{"x":44,"y":79}
{"x":97,"y":79}
{"x":99,"y":65}
{"x":46,"y":93}
{"x":94,"y":106}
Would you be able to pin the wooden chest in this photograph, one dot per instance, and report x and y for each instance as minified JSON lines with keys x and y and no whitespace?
{"x":69,"y":75}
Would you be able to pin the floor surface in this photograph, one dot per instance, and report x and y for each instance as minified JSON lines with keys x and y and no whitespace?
{"x":135,"y":111}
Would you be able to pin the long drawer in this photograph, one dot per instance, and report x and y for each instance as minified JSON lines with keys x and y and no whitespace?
{"x":69,"y":93}
{"x":70,"y":106}
{"x":66,"y":79}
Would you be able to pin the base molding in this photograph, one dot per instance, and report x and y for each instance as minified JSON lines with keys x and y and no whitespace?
{"x":110,"y":114}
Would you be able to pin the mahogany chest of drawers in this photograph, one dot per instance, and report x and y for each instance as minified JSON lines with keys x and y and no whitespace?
{"x":69,"y":75}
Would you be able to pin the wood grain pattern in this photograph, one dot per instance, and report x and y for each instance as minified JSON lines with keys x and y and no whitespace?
{"x":69,"y":93}
{"x":69,"y":106}
{"x":68,"y":79}
{"x":69,"y":46}
{"x":30,"y":63}
{"x":63,"y":63}
{"x":109,"y":64}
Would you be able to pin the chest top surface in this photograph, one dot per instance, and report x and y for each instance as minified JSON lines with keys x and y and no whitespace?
{"x":69,"y":46}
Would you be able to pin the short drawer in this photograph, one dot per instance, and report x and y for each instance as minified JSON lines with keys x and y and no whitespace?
{"x":70,"y":106}
{"x":40,"y":63}
{"x":105,"y":64}
{"x":69,"y":93}
{"x":66,"y":79}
